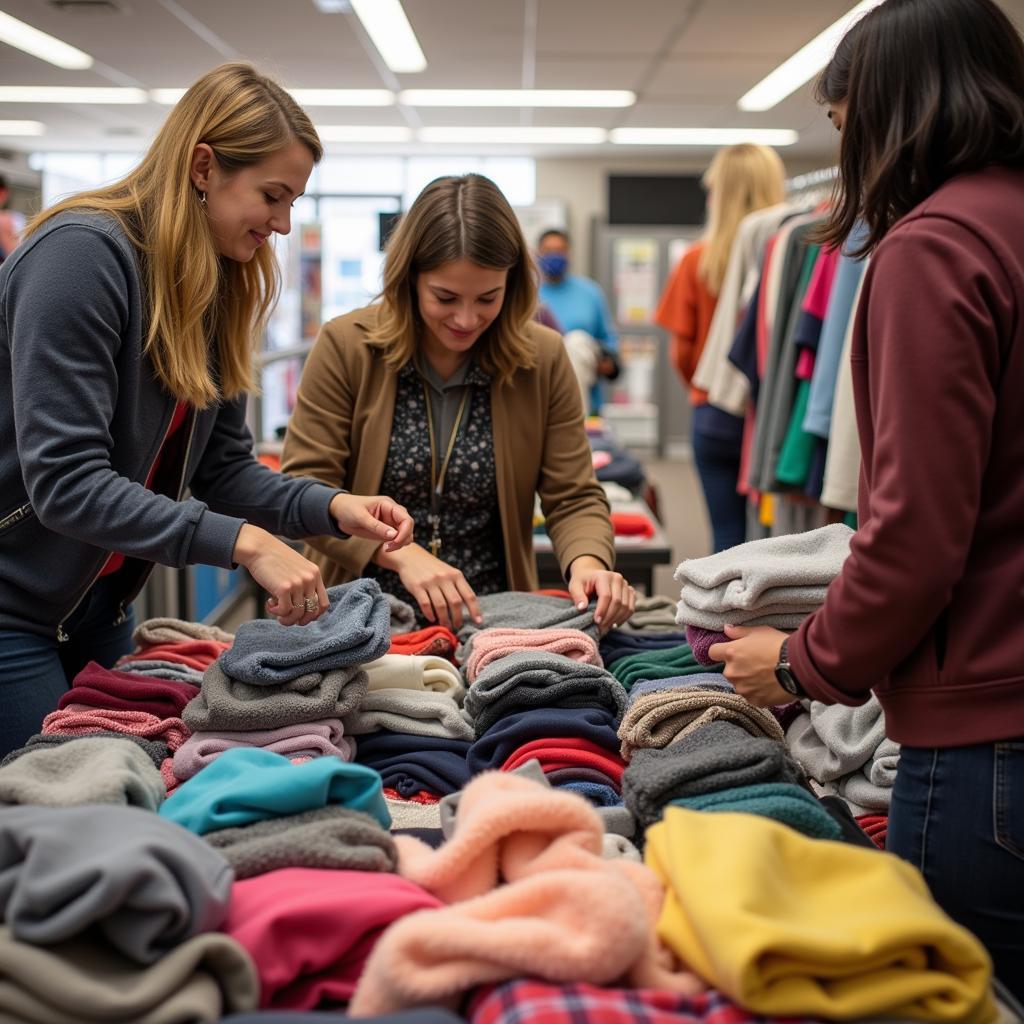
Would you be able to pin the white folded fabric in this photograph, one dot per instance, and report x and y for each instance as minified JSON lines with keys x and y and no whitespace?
{"x":415,"y":672}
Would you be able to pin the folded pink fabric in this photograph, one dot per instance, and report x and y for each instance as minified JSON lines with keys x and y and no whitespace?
{"x":310,"y":930}
{"x":171,"y":781}
{"x":101,"y":687}
{"x":310,"y":739}
{"x":491,"y":644}
{"x":75,"y":722}
{"x":199,"y":654}
{"x":531,"y":896}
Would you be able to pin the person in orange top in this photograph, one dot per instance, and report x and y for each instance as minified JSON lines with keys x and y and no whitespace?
{"x":740,"y":180}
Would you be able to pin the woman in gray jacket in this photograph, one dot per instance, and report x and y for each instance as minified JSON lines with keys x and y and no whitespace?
{"x":126,"y":324}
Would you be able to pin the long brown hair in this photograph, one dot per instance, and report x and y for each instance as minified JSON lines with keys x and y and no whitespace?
{"x":194,"y":297}
{"x":464,"y":217}
{"x":934,"y":88}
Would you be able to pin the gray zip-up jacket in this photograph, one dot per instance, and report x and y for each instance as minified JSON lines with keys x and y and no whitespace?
{"x":82,"y":420}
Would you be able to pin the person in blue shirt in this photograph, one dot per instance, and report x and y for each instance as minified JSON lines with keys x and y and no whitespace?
{"x":578,"y":304}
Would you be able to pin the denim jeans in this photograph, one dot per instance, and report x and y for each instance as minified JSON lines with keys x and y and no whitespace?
{"x":718,"y":465}
{"x":958,"y":815}
{"x":35,"y":670}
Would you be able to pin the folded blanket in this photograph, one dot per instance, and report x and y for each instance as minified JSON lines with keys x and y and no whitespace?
{"x":418,"y":712}
{"x":415,"y":672}
{"x":142,"y":883}
{"x":663,"y":664}
{"x":173,"y":670}
{"x":196,"y":653}
{"x":538,"y":679}
{"x":702,"y":640}
{"x":410,"y":764}
{"x":403,"y":616}
{"x":783,"y":802}
{"x":325,"y":738}
{"x":68,"y":722}
{"x":652,"y":615}
{"x":493,"y":749}
{"x":596,"y":794}
{"x":410,"y":814}
{"x":122,"y":691}
{"x":355,"y":629}
{"x":832,"y":741}
{"x":516,"y":610}
{"x":226,"y":703}
{"x":172,"y":631}
{"x":659,"y":719}
{"x":558,"y":753}
{"x":105,"y":771}
{"x":433,"y":640}
{"x":743,"y":576}
{"x":329,"y":837}
{"x":715,"y":757}
{"x":778,"y":616}
{"x":247,"y":784}
{"x":82,"y":981}
{"x":618,"y":643}
{"x":490,"y":645}
{"x":752,"y":907}
{"x":310,"y":931}
{"x":711,"y":682}
{"x":157,"y":752}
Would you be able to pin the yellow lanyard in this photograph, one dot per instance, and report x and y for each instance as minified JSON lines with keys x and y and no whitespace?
{"x":437,"y":479}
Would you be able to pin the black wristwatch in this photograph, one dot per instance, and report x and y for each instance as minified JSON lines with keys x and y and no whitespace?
{"x":784,"y":672}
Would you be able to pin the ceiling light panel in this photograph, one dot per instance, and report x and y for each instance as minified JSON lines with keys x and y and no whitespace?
{"x":71,"y":94}
{"x":515,"y":135}
{"x":8,"y":128}
{"x":30,"y":40}
{"x":344,"y":97}
{"x":603,"y":98}
{"x":363,"y":133}
{"x":389,"y":30}
{"x":702,"y":136}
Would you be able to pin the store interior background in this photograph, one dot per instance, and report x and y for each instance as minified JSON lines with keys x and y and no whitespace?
{"x":688,"y":62}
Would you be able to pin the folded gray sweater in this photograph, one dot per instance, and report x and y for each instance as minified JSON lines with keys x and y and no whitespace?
{"x":84,"y":771}
{"x":538,"y":679}
{"x":225,"y":703}
{"x":84,"y":982}
{"x":165,"y":670}
{"x":173,"y":631}
{"x":415,"y":712}
{"x":833,"y":740}
{"x":157,"y":752}
{"x":778,"y":617}
{"x":145,"y":883}
{"x":356,"y":628}
{"x":328,"y":837}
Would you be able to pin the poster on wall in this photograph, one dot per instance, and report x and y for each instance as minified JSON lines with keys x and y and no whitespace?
{"x":635,"y":279}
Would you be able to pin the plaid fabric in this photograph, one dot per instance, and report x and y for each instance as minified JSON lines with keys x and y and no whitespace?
{"x":536,"y":1002}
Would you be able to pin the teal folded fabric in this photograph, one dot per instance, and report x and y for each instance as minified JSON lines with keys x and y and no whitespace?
{"x":784,"y":802}
{"x":657,"y":664}
{"x":248,"y":784}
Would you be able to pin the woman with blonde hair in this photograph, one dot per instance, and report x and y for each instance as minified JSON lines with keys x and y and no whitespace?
{"x":125,"y":356}
{"x":740,"y":180}
{"x":448,"y":395}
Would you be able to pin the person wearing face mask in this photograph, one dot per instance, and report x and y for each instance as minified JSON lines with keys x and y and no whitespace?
{"x":450,"y":396}
{"x":125,"y":356}
{"x":581,"y":310}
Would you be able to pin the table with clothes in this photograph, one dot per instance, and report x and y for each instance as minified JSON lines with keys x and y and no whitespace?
{"x":522,"y":821}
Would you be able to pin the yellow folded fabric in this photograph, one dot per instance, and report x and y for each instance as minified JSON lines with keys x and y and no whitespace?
{"x":786,"y":925}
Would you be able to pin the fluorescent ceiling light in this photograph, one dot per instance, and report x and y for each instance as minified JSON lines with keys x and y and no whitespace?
{"x":804,"y":64}
{"x":30,"y":40}
{"x":22,"y":128}
{"x":702,"y":136}
{"x":70,"y":94}
{"x":166,"y":97}
{"x":363,"y":133}
{"x":517,"y":97}
{"x":344,"y":97}
{"x":522,"y":135}
{"x":389,"y":30}
{"x":332,"y":6}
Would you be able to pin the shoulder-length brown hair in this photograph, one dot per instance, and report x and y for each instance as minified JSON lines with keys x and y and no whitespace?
{"x":464,"y":217}
{"x":934,"y":88}
{"x":195,"y":298}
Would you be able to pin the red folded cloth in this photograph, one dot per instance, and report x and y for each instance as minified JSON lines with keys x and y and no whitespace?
{"x":571,"y":752}
{"x":563,"y":594}
{"x":199,"y":654}
{"x":632,"y":524}
{"x":310,"y":931}
{"x":102,"y":687}
{"x":434,"y":640}
{"x":422,"y":797}
{"x":76,"y":722}
{"x":875,"y":827}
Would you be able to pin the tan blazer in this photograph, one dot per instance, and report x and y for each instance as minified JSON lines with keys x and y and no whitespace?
{"x":340,"y":431}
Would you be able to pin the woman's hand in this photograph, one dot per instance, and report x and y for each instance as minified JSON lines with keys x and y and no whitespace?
{"x":616,"y":599}
{"x":440,"y":590}
{"x":376,"y":518}
{"x":750,"y":659}
{"x":297,"y":593}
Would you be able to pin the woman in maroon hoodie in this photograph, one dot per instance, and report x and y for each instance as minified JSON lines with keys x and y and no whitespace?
{"x":928,"y":611}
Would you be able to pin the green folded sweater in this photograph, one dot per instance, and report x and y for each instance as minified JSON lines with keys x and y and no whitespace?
{"x":656,"y":664}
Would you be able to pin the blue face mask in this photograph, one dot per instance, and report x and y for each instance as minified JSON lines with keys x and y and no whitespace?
{"x":553,"y":264}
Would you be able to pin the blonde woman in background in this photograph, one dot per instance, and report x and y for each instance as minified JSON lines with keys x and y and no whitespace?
{"x":125,"y":357}
{"x":740,"y":180}
{"x":449,"y":396}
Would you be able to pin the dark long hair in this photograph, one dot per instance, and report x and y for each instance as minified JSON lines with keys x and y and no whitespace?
{"x":934,"y":88}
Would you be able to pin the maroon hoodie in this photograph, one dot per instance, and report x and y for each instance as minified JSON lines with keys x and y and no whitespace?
{"x":929,"y":608}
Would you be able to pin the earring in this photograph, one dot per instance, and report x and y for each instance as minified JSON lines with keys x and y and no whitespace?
{"x":202,"y":198}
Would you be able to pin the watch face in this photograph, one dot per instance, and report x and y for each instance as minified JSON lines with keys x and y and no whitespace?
{"x":786,"y":679}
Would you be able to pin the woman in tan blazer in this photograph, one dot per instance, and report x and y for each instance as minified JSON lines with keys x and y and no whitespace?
{"x":449,"y":393}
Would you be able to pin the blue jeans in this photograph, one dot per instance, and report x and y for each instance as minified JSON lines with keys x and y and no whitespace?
{"x":958,"y":815}
{"x":35,"y":670}
{"x":718,"y":465}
